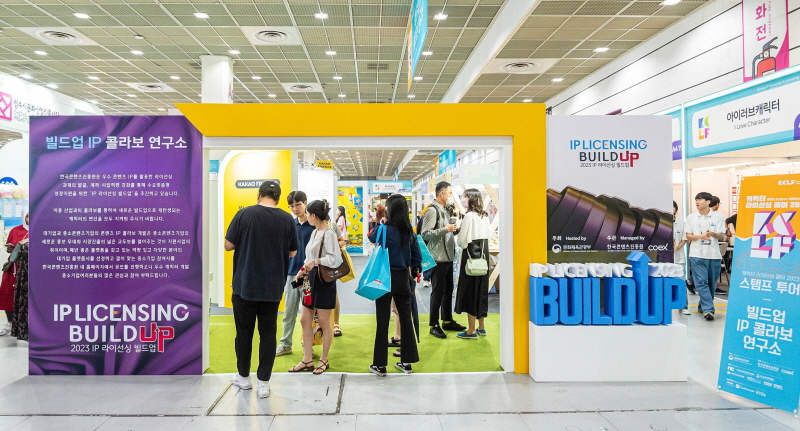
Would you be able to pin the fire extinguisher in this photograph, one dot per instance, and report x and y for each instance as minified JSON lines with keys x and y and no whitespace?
{"x":767,"y":63}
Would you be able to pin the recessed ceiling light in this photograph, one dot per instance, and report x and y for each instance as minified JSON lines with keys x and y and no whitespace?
{"x":201,"y":15}
{"x":133,"y":96}
{"x":330,"y":52}
{"x":440,"y":16}
{"x":136,"y":52}
{"x":234,"y":52}
{"x":39,"y":52}
{"x":527,"y":101}
{"x":93,"y":78}
{"x":427,"y":53}
{"x":273,"y":95}
{"x":411,"y":96}
{"x":558,"y":79}
{"x":52,"y":85}
{"x":93,"y":101}
{"x":81,"y":15}
{"x":670,"y":2}
{"x":602,"y":49}
{"x":342,"y":96}
{"x":138,"y":36}
{"x":175,"y":77}
{"x":26,"y":76}
{"x":417,"y":78}
{"x":256,"y":77}
{"x":161,"y":109}
{"x":320,"y":15}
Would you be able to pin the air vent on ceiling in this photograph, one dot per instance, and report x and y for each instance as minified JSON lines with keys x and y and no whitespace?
{"x":302,"y":87}
{"x":60,"y":36}
{"x":377,"y":66}
{"x":151,"y":87}
{"x":272,"y":35}
{"x":520,"y":66}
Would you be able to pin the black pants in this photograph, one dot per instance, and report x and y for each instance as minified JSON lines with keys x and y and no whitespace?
{"x":401,"y":292}
{"x":244,"y":315}
{"x":442,"y":292}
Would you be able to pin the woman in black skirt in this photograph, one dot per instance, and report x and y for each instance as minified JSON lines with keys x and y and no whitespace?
{"x":472,"y":296}
{"x":322,"y":249}
{"x":404,"y":261}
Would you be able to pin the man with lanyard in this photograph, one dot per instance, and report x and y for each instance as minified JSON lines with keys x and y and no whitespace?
{"x":705,"y":229}
{"x":297,"y":201}
{"x":435,"y":229}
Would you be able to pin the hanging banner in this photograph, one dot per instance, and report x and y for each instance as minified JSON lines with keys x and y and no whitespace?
{"x":417,"y":32}
{"x":597,"y":209}
{"x":115,"y":246}
{"x":677,"y":142}
{"x":765,"y":37}
{"x":446,"y":161}
{"x":352,"y":199}
{"x":759,"y":355}
{"x":762,"y":113}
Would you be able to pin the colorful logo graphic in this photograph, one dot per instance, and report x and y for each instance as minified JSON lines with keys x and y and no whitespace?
{"x":158,"y":334}
{"x":703,"y":128}
{"x":766,"y":223}
{"x":6,"y":107}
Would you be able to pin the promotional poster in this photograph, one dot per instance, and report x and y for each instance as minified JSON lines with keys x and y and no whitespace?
{"x":115,"y":246}
{"x":352,"y":199}
{"x":765,"y":37}
{"x":597,"y":209}
{"x":759,"y":355}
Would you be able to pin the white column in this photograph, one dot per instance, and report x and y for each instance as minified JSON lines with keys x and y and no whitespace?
{"x":217,"y":79}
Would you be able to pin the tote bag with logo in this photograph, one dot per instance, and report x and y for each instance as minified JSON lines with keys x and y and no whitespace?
{"x":376,"y":280}
{"x":427,"y":259}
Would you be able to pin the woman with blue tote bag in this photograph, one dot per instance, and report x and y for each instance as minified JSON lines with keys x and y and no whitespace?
{"x":404,"y":260}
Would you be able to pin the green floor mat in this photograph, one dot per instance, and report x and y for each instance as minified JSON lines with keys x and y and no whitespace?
{"x":352,"y":352}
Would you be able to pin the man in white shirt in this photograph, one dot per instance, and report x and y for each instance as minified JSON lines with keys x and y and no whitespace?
{"x":679,"y":240}
{"x":705,"y":229}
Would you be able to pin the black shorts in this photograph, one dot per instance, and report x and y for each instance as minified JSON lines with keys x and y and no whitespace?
{"x":323,"y":294}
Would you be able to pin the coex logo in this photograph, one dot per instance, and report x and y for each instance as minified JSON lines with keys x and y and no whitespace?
{"x":703,"y":128}
{"x":158,"y":334}
{"x":6,"y":107}
{"x":766,"y":223}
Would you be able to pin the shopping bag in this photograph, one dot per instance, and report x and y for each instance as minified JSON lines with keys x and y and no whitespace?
{"x":427,"y":259}
{"x":352,"y":275}
{"x":317,"y":337}
{"x":376,"y":280}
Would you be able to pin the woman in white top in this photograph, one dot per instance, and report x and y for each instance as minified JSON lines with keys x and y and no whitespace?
{"x":472,"y":296}
{"x":322,"y":249}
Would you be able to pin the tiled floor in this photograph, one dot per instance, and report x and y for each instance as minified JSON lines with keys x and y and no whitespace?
{"x":481,"y":401}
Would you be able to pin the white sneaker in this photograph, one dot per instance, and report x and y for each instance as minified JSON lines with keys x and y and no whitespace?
{"x":685,"y":311}
{"x":6,"y":329}
{"x":262,"y":389}
{"x":283,"y":350}
{"x":241,"y":382}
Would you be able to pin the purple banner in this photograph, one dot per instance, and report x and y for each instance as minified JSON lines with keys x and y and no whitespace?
{"x":116,"y":251}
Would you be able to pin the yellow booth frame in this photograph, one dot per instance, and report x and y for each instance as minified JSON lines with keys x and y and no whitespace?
{"x":524,"y":199}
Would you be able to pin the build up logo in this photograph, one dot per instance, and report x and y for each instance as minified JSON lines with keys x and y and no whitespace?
{"x":605,"y":152}
{"x":766,"y":223}
{"x":703,"y":128}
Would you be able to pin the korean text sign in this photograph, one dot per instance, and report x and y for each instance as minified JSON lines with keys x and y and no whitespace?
{"x":759,"y":353}
{"x":765,"y":37}
{"x":116,"y":252}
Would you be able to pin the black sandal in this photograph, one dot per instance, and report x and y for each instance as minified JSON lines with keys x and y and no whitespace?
{"x":396,"y":353}
{"x":394,"y":342}
{"x":309,"y":366}
{"x":325,"y":367}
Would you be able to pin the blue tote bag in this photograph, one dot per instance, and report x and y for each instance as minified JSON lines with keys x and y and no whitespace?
{"x":376,"y":280}
{"x":427,"y":259}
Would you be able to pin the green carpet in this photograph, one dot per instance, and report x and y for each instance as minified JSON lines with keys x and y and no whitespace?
{"x":352,"y":352}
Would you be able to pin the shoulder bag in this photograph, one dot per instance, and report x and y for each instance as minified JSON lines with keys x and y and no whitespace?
{"x":477,"y":265}
{"x":332,"y":274}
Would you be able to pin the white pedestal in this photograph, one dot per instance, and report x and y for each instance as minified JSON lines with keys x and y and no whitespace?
{"x":632,"y":353}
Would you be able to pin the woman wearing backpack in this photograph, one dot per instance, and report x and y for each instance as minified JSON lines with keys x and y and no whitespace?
{"x":472,"y":296}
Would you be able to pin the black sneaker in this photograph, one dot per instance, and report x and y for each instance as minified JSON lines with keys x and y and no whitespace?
{"x":437,"y":332}
{"x":453,"y":326}
{"x":691,"y":289}
{"x":378,"y":371}
{"x":708,"y":316}
{"x":406,"y":368}
{"x":719,"y":291}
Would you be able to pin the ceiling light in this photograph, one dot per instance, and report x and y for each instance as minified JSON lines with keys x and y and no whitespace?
{"x":417,"y":78}
{"x":93,"y":78}
{"x":201,"y":15}
{"x":234,"y":52}
{"x":161,"y":109}
{"x":26,"y":76}
{"x":330,"y":52}
{"x":440,"y":16}
{"x":527,"y":101}
{"x":175,"y":77}
{"x":40,"y":52}
{"x":138,"y":36}
{"x":320,"y":15}
{"x":136,"y":52}
{"x":411,"y":96}
{"x":338,"y":78}
{"x":273,"y":95}
{"x":52,"y":86}
{"x":602,"y":49}
{"x":93,"y":101}
{"x":670,"y":2}
{"x":133,"y":96}
{"x":256,"y":77}
{"x":427,"y":53}
{"x":558,"y":79}
{"x":342,"y":96}
{"x":81,"y":15}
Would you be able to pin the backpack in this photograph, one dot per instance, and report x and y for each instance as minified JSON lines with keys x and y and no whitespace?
{"x":422,"y":219}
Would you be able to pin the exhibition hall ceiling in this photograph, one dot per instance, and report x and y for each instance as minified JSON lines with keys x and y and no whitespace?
{"x":158,"y":43}
{"x":380,"y":163}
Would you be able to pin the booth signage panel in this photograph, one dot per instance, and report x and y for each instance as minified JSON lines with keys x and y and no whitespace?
{"x":765,"y":37}
{"x":352,"y":199}
{"x":598,"y":210}
{"x":761,"y":114}
{"x":116,"y":246}
{"x":677,"y":142}
{"x":759,"y":353}
{"x":446,"y":161}
{"x":325,"y":164}
{"x":316,"y":183}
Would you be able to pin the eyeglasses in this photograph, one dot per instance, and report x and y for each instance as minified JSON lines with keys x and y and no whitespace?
{"x":296,"y":205}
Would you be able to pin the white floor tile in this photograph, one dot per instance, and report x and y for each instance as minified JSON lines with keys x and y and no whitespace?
{"x":398,"y":423}
{"x":61,"y":423}
{"x":314,"y":423}
{"x":290,"y":394}
{"x":145,"y":424}
{"x":787,"y":419}
{"x":505,"y":422}
{"x":714,"y":420}
{"x":229,"y":423}
{"x":567,"y":421}
{"x":6,"y":422}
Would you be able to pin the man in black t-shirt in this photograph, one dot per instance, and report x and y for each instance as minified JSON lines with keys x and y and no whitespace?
{"x":264,"y":240}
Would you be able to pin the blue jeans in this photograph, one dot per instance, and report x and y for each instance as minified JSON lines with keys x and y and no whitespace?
{"x":705,"y":273}
{"x":291,"y":305}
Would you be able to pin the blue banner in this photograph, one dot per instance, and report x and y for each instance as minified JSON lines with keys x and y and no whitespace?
{"x":417,"y":32}
{"x":447,"y":161}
